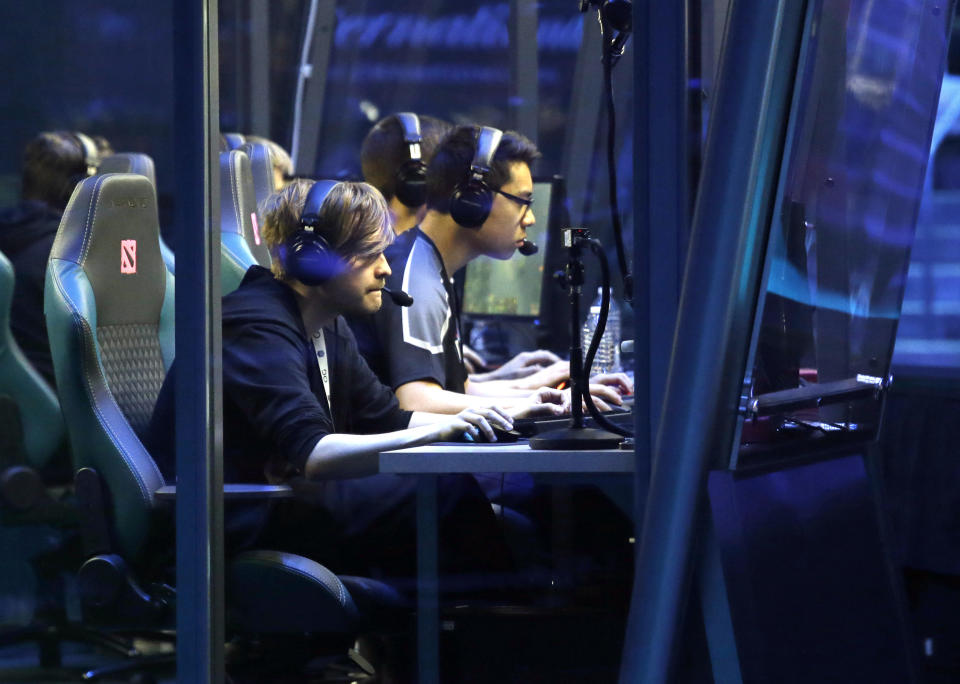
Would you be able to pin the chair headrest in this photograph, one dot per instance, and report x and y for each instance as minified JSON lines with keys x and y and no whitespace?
{"x":261,"y":166}
{"x":110,"y":229}
{"x":238,"y":207}
{"x":129,"y":162}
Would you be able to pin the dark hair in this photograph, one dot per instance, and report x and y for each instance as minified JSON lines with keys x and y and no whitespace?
{"x":450,"y":165}
{"x":384,"y":151}
{"x":53,"y":163}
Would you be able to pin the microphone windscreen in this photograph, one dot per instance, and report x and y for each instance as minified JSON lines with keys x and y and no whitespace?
{"x":399,"y":297}
{"x":528,"y":248}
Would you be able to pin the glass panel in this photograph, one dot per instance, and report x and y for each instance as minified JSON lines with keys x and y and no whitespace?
{"x":103,"y":68}
{"x":852,"y":180}
{"x":456,"y":60}
{"x":928,"y":338}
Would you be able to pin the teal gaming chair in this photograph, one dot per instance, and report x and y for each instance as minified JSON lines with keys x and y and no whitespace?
{"x":137,"y":162}
{"x":109,"y":308}
{"x":241,"y":243}
{"x":261,"y":169}
{"x":32,"y":436}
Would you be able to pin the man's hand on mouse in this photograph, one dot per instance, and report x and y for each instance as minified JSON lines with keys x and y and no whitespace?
{"x":474,"y":421}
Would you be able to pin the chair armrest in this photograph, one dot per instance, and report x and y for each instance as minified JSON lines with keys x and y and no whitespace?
{"x":234,"y":492}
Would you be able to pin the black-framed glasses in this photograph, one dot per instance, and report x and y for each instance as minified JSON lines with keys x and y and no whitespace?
{"x":525,"y":202}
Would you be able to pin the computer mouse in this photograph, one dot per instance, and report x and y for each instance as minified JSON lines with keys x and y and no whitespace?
{"x":503,"y":436}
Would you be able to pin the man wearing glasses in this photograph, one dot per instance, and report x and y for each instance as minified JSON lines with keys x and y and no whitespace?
{"x":417,"y":350}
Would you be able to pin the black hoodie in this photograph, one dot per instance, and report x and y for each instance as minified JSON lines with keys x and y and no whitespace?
{"x":274,"y":406}
{"x":26,"y":236}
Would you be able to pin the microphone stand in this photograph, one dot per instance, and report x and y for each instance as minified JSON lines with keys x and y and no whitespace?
{"x":576,"y":435}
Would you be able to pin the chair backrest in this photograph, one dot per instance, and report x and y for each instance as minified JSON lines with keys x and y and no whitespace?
{"x":37,"y":405}
{"x":142,"y":164}
{"x":261,"y":167}
{"x":241,"y":243}
{"x":109,"y":303}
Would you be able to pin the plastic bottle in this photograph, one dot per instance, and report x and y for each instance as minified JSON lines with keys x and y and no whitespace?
{"x":607,"y":359}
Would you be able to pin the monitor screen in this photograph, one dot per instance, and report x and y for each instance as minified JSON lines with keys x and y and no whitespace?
{"x":839,"y":246}
{"x":512,"y":287}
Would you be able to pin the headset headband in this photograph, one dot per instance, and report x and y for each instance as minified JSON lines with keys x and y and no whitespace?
{"x":312,"y":205}
{"x":488,"y":140}
{"x":90,"y":152}
{"x":410,"y":123}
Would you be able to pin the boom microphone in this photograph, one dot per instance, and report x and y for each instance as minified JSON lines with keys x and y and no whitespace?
{"x":528,"y":248}
{"x":399,"y":297}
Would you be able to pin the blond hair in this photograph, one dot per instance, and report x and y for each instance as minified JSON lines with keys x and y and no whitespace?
{"x":354,"y":220}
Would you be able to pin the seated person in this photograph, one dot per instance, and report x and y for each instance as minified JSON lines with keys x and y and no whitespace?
{"x":300,"y":404}
{"x":417,"y":350}
{"x":53,"y":163}
{"x":399,"y":173}
{"x":389,"y":164}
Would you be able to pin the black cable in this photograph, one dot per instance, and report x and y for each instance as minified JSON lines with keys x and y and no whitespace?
{"x":587,"y":398}
{"x":606,"y":32}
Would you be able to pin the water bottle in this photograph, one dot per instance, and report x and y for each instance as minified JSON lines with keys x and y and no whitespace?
{"x":607,"y":359}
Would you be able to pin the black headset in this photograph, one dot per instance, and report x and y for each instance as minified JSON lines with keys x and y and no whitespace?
{"x":87,"y":166}
{"x":412,"y":174}
{"x":472,"y":198}
{"x":306,"y":255}
{"x":91,"y":155}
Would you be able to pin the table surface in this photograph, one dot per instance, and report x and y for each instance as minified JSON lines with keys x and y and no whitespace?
{"x":503,"y":458}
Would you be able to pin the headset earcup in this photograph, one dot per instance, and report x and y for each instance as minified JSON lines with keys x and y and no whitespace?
{"x":308,"y":258}
{"x":470,"y":204}
{"x":412,"y":183}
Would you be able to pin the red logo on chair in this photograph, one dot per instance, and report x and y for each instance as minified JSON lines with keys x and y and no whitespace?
{"x":128,"y":256}
{"x":256,"y":228}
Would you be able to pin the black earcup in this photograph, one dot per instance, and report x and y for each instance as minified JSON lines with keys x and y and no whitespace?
{"x":470,"y":204}
{"x":412,"y":183}
{"x":309,"y":258}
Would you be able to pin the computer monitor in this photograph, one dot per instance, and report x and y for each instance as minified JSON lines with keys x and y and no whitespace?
{"x":515,"y":287}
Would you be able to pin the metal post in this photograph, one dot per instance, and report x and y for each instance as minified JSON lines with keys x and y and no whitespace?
{"x":199,"y":515}
{"x":241,"y":66}
{"x":304,"y":147}
{"x":661,"y":214}
{"x":428,"y":589}
{"x":720,"y":288}
{"x":523,"y":105}
{"x":259,"y":90}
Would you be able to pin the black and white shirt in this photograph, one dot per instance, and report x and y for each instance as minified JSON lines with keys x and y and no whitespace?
{"x":419,"y":342}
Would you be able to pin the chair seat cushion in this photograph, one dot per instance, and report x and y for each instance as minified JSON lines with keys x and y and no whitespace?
{"x":271,"y":592}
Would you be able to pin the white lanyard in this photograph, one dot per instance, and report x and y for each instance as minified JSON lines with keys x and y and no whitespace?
{"x":320,"y":346}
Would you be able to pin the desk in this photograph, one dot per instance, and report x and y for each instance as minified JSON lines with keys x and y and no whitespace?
{"x":435,"y":459}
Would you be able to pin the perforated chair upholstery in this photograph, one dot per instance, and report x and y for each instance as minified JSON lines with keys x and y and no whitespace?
{"x":39,"y":410}
{"x":109,"y":303}
{"x":261,"y":167}
{"x":142,"y":164}
{"x":241,"y":243}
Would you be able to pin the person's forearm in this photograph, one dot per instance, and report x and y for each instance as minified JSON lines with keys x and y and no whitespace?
{"x":496,"y":389}
{"x":341,"y":455}
{"x":428,"y":397}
